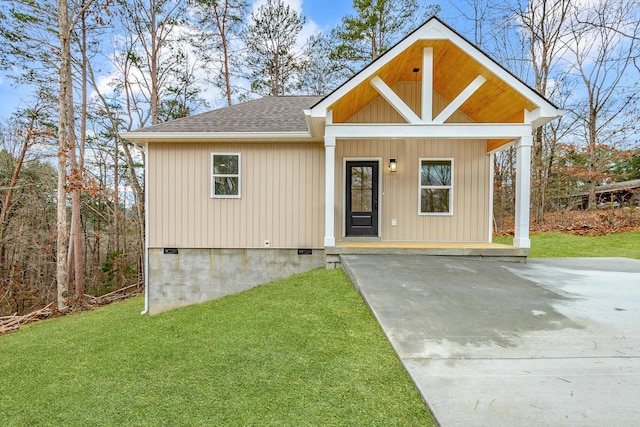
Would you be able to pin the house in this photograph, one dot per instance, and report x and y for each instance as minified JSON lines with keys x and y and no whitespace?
{"x":397,"y":158}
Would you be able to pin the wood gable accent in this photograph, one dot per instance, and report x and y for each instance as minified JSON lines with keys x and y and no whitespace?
{"x":501,"y":109}
{"x":446,"y":64}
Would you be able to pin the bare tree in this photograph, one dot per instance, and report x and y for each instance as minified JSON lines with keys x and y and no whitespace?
{"x":604,"y":45}
{"x":219,"y":24}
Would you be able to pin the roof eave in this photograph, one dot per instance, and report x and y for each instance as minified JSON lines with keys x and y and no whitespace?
{"x":216,"y":136}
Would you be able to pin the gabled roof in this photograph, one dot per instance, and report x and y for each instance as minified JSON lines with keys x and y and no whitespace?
{"x":276,"y":117}
{"x":503,"y":98}
{"x":456,"y":62}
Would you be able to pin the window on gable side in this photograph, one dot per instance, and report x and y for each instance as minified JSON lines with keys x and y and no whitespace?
{"x":225,"y":177}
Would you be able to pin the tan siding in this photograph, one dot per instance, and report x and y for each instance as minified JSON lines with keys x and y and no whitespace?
{"x":469,"y":222}
{"x":282,"y":194}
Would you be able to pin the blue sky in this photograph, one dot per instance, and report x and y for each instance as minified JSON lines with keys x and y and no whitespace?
{"x":321,"y":15}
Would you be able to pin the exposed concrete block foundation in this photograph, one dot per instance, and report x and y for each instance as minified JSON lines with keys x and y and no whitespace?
{"x":197,"y":275}
{"x":332,"y":261}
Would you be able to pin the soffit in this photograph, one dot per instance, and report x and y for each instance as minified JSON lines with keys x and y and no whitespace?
{"x":453,"y":70}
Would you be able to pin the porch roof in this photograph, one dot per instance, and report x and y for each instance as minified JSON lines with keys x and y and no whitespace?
{"x":449,"y":65}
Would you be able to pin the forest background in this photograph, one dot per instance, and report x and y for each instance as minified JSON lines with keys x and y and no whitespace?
{"x":81,"y":72}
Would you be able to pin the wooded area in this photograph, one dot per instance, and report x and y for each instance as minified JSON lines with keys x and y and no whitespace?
{"x":97,"y":68}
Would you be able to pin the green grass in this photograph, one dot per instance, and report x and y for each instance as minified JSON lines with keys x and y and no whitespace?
{"x":561,"y":245}
{"x":300,"y":351}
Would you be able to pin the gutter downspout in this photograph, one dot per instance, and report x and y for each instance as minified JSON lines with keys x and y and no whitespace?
{"x":146,"y":230}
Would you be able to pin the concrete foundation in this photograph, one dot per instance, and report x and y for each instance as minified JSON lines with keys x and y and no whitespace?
{"x":197,"y":275}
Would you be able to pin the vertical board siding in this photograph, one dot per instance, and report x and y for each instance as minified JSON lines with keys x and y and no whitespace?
{"x":400,"y":196}
{"x":282,"y":193}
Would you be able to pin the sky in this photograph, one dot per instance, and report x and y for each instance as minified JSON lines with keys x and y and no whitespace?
{"x":322,"y":15}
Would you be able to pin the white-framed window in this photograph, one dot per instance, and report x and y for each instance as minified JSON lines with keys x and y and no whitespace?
{"x":435,"y":187}
{"x":225,"y":175}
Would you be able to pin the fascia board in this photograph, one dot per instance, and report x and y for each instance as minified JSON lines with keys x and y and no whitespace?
{"x":201,"y":136}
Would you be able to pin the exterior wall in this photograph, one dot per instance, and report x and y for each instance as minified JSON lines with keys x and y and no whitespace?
{"x":471,"y":169}
{"x":197,"y":275}
{"x":282,"y":197}
{"x":400,"y":197}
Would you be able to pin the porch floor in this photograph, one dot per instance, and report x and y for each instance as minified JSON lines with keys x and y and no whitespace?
{"x":478,"y":250}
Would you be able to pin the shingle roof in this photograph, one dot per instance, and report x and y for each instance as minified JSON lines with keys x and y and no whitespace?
{"x":270,"y":114}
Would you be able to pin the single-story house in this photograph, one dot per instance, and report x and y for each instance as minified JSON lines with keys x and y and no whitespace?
{"x":398,"y":158}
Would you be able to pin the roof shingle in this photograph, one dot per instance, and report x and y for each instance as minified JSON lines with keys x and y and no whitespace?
{"x":270,"y":114}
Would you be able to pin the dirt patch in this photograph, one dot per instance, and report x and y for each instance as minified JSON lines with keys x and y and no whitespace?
{"x":586,"y":223}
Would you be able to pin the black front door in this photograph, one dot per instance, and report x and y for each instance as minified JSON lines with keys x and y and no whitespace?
{"x":362,"y":198}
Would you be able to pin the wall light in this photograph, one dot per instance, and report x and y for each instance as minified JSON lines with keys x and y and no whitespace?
{"x":393,"y":165}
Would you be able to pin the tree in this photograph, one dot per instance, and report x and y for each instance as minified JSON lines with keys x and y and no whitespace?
{"x":375,"y":27}
{"x":155,"y":80}
{"x":219,"y":24}
{"x":33,"y":49}
{"x":150,"y":48}
{"x":543,"y":24}
{"x":323,"y":73}
{"x":273,"y":57}
{"x":604,"y":65}
{"x":27,"y":208}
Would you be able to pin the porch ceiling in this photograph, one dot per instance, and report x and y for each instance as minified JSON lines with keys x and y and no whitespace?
{"x":453,"y":69}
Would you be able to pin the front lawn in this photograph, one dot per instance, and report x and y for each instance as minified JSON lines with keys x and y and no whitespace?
{"x":300,"y":351}
{"x":562,"y":245}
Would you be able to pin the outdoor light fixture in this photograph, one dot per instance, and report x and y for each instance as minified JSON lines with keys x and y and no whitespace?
{"x":393,"y":165}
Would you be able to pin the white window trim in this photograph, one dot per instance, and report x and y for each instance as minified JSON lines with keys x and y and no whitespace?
{"x":239,"y":175}
{"x":450,"y":187}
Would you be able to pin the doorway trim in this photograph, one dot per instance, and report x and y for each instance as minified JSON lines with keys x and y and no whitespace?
{"x":343,"y":184}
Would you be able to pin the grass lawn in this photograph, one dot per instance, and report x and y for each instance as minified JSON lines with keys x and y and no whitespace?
{"x":560,"y":245}
{"x":300,"y":351}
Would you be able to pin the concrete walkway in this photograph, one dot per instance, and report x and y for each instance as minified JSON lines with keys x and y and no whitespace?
{"x":547,"y":343}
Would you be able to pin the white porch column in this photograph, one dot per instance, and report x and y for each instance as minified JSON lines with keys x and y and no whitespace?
{"x":329,"y":190}
{"x":523,"y":190}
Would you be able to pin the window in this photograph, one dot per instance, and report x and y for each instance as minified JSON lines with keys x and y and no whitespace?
{"x":436,"y":186}
{"x":225,"y":178}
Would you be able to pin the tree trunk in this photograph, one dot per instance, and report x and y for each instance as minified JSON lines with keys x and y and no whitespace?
{"x":62,"y":277}
{"x":4,"y":211}
{"x":592,"y":159}
{"x":139,"y":196}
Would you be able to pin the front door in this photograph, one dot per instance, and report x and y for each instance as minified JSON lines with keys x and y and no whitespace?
{"x":362,"y":198}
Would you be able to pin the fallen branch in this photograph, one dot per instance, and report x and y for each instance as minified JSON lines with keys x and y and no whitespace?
{"x":118,"y":291}
{"x":13,"y":323}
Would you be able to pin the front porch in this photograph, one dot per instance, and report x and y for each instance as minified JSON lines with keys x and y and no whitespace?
{"x":461,"y":249}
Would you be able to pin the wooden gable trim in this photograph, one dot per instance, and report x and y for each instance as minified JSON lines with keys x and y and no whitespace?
{"x":434,"y":34}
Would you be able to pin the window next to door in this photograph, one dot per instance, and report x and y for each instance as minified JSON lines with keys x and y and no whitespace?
{"x":436,"y":187}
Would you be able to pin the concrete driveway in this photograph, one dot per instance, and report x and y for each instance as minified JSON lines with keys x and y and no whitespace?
{"x":547,"y":343}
